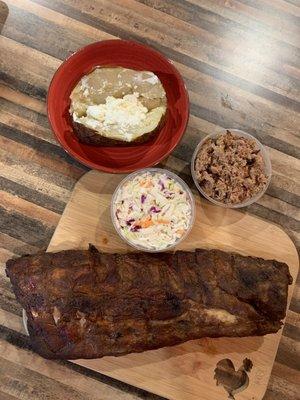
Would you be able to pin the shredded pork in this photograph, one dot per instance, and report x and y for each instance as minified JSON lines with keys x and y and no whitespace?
{"x":230,"y":168}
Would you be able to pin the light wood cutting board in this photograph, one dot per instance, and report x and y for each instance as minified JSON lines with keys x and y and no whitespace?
{"x":184,"y":372}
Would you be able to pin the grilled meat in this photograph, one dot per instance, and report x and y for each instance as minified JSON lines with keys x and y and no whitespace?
{"x":88,"y":304}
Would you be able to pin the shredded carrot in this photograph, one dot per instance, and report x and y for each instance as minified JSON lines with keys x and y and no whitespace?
{"x":180,"y":231}
{"x":146,"y":184}
{"x":163,"y":221}
{"x":145,"y":222}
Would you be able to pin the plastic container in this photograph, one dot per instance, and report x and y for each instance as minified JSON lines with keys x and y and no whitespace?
{"x":172,"y":176}
{"x":267,"y":162}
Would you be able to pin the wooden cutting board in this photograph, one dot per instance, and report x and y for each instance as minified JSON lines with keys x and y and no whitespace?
{"x":184,"y":372}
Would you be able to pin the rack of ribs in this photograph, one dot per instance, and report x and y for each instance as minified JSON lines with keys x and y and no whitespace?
{"x":88,"y":304}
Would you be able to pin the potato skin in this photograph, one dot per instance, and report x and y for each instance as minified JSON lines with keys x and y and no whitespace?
{"x":90,"y":136}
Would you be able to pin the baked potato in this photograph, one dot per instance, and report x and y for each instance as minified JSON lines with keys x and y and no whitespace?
{"x":117,"y":107}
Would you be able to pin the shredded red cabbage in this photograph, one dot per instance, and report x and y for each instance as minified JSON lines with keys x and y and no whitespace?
{"x":135,"y":228}
{"x":155,"y":209}
{"x":161,"y":184}
{"x":169,"y":195}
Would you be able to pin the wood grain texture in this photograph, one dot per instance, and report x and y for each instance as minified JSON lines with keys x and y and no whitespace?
{"x":189,"y":368}
{"x":241,"y":63}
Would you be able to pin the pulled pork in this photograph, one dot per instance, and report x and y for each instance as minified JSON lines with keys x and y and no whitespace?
{"x":230,"y":168}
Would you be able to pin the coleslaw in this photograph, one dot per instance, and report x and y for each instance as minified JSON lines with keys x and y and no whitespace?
{"x":152,"y":211}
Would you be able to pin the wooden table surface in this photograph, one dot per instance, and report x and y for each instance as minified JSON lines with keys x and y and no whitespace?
{"x":241,"y":64}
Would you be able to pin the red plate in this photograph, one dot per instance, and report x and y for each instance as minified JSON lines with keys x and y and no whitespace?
{"x":130,"y":55}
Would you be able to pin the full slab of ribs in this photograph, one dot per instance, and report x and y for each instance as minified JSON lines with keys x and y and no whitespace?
{"x":87,"y":304}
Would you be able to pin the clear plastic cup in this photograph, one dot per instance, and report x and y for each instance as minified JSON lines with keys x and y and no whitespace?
{"x":267,"y":162}
{"x":172,"y":176}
